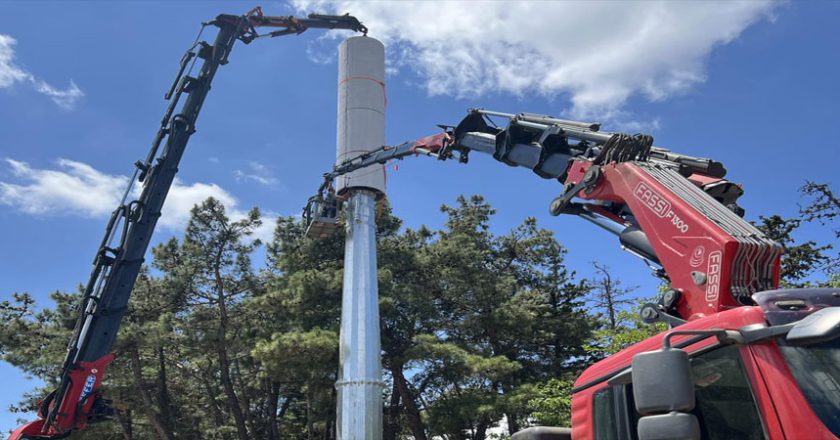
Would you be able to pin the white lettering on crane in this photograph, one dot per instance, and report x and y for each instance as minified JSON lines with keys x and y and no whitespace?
{"x":661,"y":207}
{"x":713,"y":276}
{"x":88,"y":388}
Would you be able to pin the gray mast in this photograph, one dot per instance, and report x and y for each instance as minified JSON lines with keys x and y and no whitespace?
{"x":361,"y":128}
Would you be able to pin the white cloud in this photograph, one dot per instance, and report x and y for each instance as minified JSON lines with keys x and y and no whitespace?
{"x":75,"y":188}
{"x":598,"y":54}
{"x":320,"y":57}
{"x":12,"y":74}
{"x":78,"y":189}
{"x":258,"y":173}
{"x":182,"y":198}
{"x":9,"y":72}
{"x":65,"y":99}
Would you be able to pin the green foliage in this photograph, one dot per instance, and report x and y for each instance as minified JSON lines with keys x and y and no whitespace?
{"x":799,"y":259}
{"x":550,"y":403}
{"x":824,"y":208}
{"x":833,"y":281}
{"x":475,"y":326}
{"x":824,"y":205}
{"x":292,"y":355}
{"x":630,"y":330}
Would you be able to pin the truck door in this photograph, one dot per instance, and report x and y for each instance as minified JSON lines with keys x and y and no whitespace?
{"x":725,"y":405}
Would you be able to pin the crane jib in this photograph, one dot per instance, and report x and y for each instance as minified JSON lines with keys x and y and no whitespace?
{"x":108,"y":290}
{"x":120,"y":257}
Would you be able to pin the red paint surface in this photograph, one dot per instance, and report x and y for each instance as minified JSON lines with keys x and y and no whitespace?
{"x":784,"y":410}
{"x":71,"y":416}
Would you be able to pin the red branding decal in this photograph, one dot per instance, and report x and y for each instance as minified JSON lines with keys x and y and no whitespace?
{"x":713,"y":276}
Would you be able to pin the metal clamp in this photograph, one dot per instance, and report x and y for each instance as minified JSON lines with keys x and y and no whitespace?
{"x":562,"y":204}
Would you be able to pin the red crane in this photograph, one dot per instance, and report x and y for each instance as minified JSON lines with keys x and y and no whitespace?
{"x":743,"y":359}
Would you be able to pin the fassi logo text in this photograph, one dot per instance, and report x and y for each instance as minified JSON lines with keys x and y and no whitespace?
{"x":653,"y":200}
{"x":713,"y":275}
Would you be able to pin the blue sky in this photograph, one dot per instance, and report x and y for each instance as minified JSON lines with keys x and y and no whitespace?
{"x":81,"y":84}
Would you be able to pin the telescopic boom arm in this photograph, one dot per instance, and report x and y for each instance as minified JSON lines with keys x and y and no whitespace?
{"x":77,"y":401}
{"x":321,"y":211}
{"x":676,"y":212}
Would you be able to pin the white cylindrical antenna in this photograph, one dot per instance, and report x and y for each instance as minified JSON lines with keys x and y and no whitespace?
{"x":361,"y":128}
{"x":361,"y":110}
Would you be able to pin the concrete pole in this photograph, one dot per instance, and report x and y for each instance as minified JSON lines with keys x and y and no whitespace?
{"x":361,"y":128}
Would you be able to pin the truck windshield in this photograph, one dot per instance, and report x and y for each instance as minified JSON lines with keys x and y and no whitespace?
{"x":817,"y":370}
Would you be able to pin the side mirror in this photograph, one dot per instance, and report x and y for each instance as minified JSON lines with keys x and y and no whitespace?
{"x":662,"y":381}
{"x":671,"y":426}
{"x":820,"y":326}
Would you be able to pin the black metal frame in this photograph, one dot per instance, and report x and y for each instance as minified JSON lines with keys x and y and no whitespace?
{"x":115,"y":268}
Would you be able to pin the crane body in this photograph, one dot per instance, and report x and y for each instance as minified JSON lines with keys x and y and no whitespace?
{"x":757,"y":372}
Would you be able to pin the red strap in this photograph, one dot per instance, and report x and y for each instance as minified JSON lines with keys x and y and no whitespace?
{"x":369,"y":78}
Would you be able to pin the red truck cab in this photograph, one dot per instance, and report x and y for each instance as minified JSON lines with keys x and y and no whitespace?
{"x":761,"y":387}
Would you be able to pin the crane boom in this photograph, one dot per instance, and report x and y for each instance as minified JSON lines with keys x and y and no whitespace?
{"x":675,"y":211}
{"x":76,"y":401}
{"x":321,"y":211}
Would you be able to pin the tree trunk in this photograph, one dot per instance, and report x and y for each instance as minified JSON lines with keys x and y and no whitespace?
{"x":148,"y":406}
{"x":250,"y":416}
{"x":224,"y":362}
{"x":227,"y":386}
{"x":481,"y":428}
{"x":392,"y":420}
{"x":513,"y":424}
{"x":271,"y":410}
{"x":310,"y":429}
{"x":329,"y":432}
{"x":415,"y":423}
{"x":124,"y":418}
{"x":218,"y":418}
{"x":164,"y":402}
